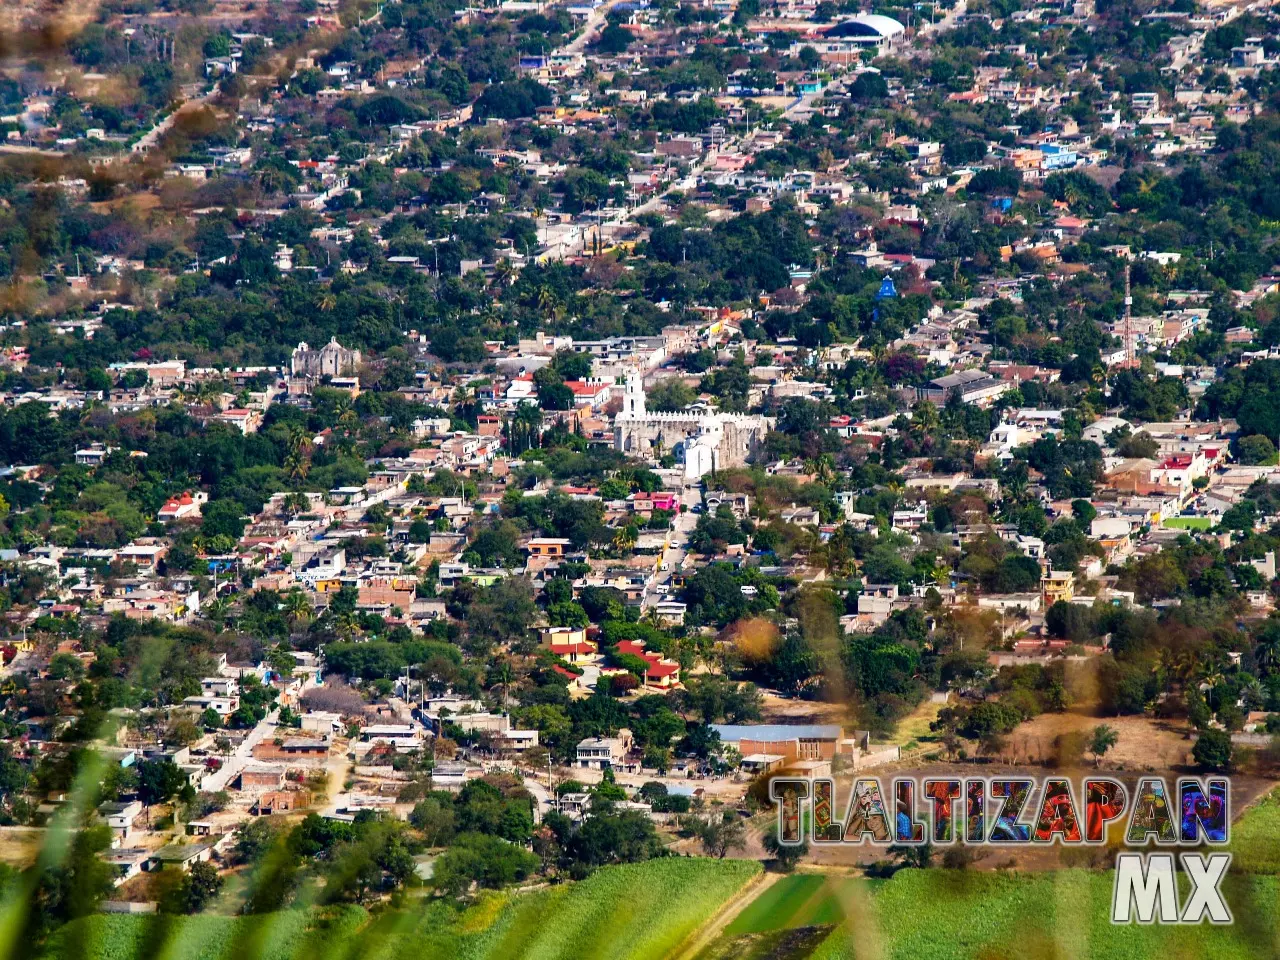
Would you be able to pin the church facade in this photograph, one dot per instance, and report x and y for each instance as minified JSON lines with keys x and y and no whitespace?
{"x":331,"y":360}
{"x":703,"y":439}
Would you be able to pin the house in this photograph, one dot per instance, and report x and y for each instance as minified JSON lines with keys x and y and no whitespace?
{"x":127,"y":862}
{"x":660,"y":672}
{"x":261,"y":778}
{"x":1057,"y":585}
{"x":408,"y":735}
{"x":568,"y":643}
{"x":604,"y":753}
{"x":292,"y":748}
{"x":320,"y":721}
{"x":143,"y":555}
{"x":276,"y":801}
{"x":246,"y":421}
{"x":181,"y":855}
{"x":186,"y":506}
{"x":223,"y":706}
{"x":802,"y":741}
{"x":120,"y":817}
{"x":548,"y":546}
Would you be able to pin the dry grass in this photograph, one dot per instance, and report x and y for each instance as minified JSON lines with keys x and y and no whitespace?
{"x":1143,"y":744}
{"x":19,"y":846}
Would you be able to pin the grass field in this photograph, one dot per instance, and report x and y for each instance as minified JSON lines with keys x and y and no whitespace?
{"x":634,"y":912}
{"x":648,"y":911}
{"x":923,"y":915}
{"x":1255,"y":837}
{"x":1187,"y":523}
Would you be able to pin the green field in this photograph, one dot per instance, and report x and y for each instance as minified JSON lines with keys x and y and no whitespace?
{"x":634,"y":912}
{"x":1187,"y":523}
{"x":1255,"y":837}
{"x":647,"y":911}
{"x":961,"y":914}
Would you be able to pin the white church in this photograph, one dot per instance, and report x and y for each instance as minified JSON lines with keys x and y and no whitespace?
{"x":702,"y":438}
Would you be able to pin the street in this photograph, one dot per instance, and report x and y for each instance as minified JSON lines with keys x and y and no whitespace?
{"x":677,"y":548}
{"x":239,"y":759}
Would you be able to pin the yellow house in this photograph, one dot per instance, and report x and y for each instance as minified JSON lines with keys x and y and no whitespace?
{"x":1057,"y":585}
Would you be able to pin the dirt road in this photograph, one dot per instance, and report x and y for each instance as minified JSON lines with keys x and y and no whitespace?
{"x":700,"y":939}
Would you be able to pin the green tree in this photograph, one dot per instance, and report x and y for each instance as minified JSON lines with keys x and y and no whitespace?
{"x":1256,"y":449}
{"x":785,"y":855}
{"x":198,"y":887}
{"x":1103,"y":739}
{"x":720,"y":833}
{"x":1213,"y":750}
{"x":159,"y":780}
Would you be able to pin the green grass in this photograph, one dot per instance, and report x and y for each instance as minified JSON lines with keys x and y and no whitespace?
{"x":1255,"y":837}
{"x":636,"y":912}
{"x":1187,"y":523}
{"x":945,"y":914}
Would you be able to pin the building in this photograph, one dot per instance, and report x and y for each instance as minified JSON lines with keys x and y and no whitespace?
{"x":971,"y":386}
{"x":187,"y":506}
{"x":867,"y":31}
{"x":803,"y":741}
{"x":605,"y":753}
{"x":1057,"y":585}
{"x":703,"y":440}
{"x":331,"y":360}
{"x":261,"y":779}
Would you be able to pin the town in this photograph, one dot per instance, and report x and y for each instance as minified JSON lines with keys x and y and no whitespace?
{"x":450,"y":452}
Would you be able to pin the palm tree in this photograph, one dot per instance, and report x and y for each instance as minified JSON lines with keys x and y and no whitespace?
{"x":821,"y":468}
{"x":297,"y":606}
{"x":1253,"y":693}
{"x":503,"y":272}
{"x":215,"y":611}
{"x":295,"y":503}
{"x":1267,"y":652}
{"x":1212,"y":676}
{"x":528,"y":420}
{"x":326,"y":302}
{"x":297,"y":462}
{"x":624,"y":539}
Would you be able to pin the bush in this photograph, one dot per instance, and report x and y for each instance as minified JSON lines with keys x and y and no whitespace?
{"x":1213,"y":750}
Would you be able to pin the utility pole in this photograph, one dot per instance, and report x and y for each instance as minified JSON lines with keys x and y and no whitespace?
{"x":1128,"y":316}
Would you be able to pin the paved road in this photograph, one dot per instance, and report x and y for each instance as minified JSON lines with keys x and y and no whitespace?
{"x":152,"y":136}
{"x":238,"y":760}
{"x":948,"y":21}
{"x":677,"y":549}
{"x":590,"y":29}
{"x":538,"y":787}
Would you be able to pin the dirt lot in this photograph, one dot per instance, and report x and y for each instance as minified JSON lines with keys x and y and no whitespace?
{"x":19,"y":846}
{"x":780,"y":710}
{"x":1143,"y":744}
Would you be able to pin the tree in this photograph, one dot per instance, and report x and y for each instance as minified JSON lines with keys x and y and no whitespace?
{"x":669,"y":395}
{"x":73,"y":886}
{"x":484,"y":861}
{"x":869,"y":86}
{"x":914,"y":855}
{"x":1104,"y":738}
{"x":1213,"y":750}
{"x":613,"y":39}
{"x":159,"y":780}
{"x":253,"y":839}
{"x":785,"y":855}
{"x":1256,"y":449}
{"x":721,"y":834}
{"x":434,"y":817}
{"x":197,"y":888}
